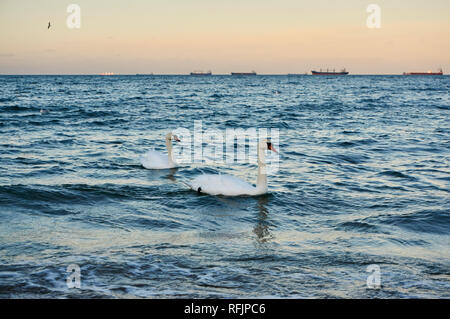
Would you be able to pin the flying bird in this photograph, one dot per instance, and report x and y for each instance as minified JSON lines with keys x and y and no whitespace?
{"x":49,"y":25}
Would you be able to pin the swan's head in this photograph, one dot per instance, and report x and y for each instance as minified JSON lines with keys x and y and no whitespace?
{"x":172,"y":137}
{"x":267,"y":145}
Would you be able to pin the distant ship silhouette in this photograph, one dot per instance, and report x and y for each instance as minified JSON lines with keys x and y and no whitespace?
{"x":342,"y":72}
{"x":424,"y":73}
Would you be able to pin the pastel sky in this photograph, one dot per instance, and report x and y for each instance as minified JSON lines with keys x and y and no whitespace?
{"x":179,"y":36}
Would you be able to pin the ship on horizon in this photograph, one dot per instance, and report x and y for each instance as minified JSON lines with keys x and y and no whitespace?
{"x":243,"y":73}
{"x":201,"y":73}
{"x":327,"y":72}
{"x":440,"y":72}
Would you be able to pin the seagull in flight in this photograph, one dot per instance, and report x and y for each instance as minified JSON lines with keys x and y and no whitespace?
{"x":49,"y":25}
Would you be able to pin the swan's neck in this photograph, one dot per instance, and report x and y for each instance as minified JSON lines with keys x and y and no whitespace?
{"x":169,"y":150}
{"x":261,"y":181}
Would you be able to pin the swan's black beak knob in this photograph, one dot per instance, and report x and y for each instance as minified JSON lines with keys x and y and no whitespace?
{"x":271,"y":148}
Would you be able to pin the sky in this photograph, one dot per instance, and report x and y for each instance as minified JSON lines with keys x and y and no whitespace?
{"x":180,"y":36}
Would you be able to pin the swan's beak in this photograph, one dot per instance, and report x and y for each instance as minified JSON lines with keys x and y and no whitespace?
{"x":272,"y":148}
{"x":176,"y":139}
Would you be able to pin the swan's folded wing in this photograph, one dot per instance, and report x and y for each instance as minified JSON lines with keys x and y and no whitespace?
{"x":154,"y":160}
{"x":221,"y":185}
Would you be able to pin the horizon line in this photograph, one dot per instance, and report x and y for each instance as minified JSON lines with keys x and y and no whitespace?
{"x":183,"y":74}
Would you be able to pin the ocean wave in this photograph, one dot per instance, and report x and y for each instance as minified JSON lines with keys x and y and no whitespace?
{"x":6,"y":99}
{"x":69,"y":193}
{"x":426,"y":221}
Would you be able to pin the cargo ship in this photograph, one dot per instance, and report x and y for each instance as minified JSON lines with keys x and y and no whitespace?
{"x":424,"y":73}
{"x":342,"y":72}
{"x":243,"y":73}
{"x":201,"y":73}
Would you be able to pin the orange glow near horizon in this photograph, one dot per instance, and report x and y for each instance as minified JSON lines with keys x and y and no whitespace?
{"x":179,"y":36}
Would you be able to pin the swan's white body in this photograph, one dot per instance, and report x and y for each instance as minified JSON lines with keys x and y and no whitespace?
{"x":157,"y":160}
{"x":228,"y":185}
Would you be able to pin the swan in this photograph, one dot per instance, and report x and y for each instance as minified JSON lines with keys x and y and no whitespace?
{"x":157,"y":160}
{"x":228,"y":185}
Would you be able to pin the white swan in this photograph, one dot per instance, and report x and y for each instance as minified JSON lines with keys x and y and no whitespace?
{"x":232,"y":186}
{"x":157,"y":160}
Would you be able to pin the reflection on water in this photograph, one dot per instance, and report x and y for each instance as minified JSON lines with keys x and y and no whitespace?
{"x":154,"y":174}
{"x":227,"y":209}
{"x":171,"y":175}
{"x":262,"y":229}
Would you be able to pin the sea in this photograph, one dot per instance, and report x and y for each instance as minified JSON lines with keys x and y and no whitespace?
{"x":358,"y":207}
